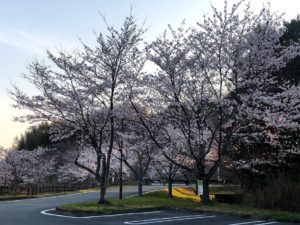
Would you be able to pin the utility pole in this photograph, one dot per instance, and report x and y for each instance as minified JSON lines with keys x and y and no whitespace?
{"x":121,"y":175}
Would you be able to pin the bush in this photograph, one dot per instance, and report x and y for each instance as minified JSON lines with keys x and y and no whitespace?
{"x":279,"y":193}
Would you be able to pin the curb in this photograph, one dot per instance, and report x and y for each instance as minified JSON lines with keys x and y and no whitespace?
{"x":139,"y":210}
{"x":112,"y":212}
{"x":135,"y":210}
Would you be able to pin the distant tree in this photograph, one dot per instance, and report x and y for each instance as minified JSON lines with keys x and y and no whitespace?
{"x":34,"y":137}
{"x":69,"y":172}
{"x":138,"y":151}
{"x":3,"y":172}
{"x":292,"y":31}
{"x":291,"y":72}
{"x":26,"y":167}
{"x":165,"y":171}
{"x":2,"y":151}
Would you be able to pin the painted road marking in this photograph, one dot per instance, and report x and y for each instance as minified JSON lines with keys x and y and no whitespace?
{"x":46,"y":212}
{"x":167,"y":219}
{"x":266,"y":223}
{"x":147,"y":192}
{"x":257,"y":221}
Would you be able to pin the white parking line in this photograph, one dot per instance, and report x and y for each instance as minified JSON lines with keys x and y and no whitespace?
{"x":266,"y":223}
{"x":257,"y":221}
{"x":46,"y":212}
{"x":146,"y":192}
{"x":167,"y":219}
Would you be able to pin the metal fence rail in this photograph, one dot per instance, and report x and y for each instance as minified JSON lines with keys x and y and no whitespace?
{"x":38,"y":189}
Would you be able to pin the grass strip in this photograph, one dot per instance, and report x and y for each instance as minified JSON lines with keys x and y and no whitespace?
{"x":184,"y":199}
{"x":15,"y":197}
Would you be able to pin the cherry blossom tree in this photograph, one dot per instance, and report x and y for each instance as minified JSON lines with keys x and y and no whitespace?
{"x":83,"y":154}
{"x":70,"y":172}
{"x":172,"y":157}
{"x":211,"y":77}
{"x":79,"y":91}
{"x":137,"y":151}
{"x":165,"y":170}
{"x":26,"y":167}
{"x":184,"y":105}
{"x":212,"y":91}
{"x":3,"y":171}
{"x":241,"y":54}
{"x":267,"y":109}
{"x":268,"y":128}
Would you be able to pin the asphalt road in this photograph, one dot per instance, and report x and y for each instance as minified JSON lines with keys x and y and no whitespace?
{"x":28,"y":212}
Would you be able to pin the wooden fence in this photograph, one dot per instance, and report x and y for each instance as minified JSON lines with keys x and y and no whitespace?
{"x":34,"y":190}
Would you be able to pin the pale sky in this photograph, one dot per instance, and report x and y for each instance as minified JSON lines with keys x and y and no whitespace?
{"x":29,"y":27}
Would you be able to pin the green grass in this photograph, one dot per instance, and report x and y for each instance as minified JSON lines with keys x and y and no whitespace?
{"x":151,"y":200}
{"x":183,"y":199}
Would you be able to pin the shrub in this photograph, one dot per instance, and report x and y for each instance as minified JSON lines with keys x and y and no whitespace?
{"x":279,"y":193}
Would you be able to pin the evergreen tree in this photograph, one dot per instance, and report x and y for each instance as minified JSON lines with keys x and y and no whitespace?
{"x":291,"y":72}
{"x":34,"y":137}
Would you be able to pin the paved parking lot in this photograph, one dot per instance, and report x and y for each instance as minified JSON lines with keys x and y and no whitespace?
{"x":163,"y":218}
{"x":38,"y":212}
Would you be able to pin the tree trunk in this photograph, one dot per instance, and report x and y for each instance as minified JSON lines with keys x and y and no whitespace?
{"x":102,"y":193}
{"x":196,"y":191}
{"x":170,"y":191}
{"x":205,"y":196}
{"x":103,"y":182}
{"x":15,"y":186}
{"x":140,"y":188}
